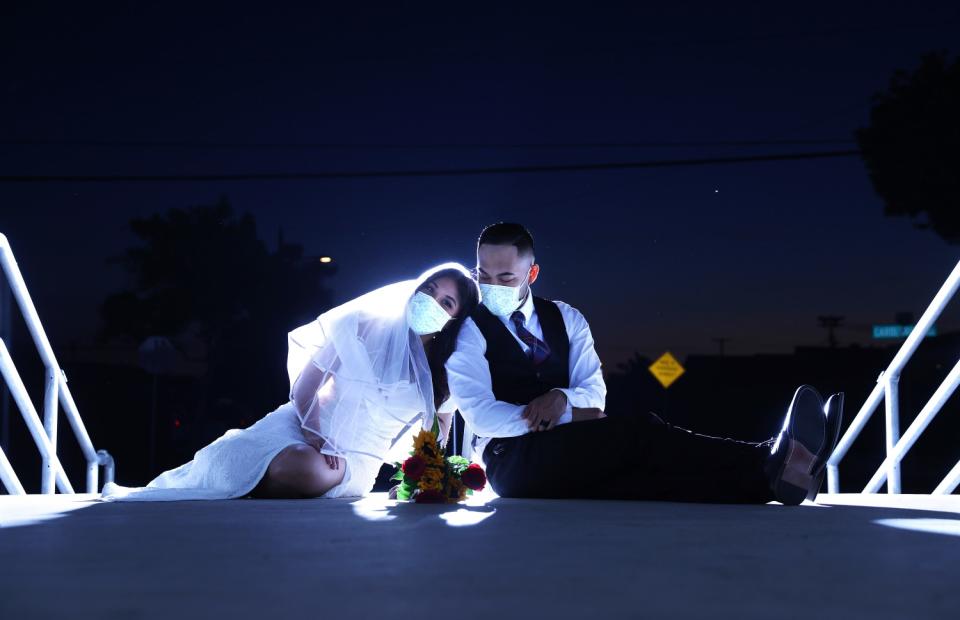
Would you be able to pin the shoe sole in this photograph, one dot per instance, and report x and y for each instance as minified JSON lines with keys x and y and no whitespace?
{"x":787,"y":493}
{"x":833,"y":436}
{"x":798,"y":428}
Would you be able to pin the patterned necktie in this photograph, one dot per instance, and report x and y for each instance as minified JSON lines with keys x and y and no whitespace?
{"x":539,"y":350}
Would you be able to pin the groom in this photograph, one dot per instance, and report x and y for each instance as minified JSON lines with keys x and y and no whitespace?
{"x":527,"y":380}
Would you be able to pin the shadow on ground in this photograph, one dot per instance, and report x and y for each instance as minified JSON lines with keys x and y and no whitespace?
{"x":504,"y":559}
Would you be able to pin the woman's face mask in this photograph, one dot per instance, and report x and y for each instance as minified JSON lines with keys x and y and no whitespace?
{"x":425,"y":315}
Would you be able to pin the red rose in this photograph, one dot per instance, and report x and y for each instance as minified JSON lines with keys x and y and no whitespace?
{"x":414,"y":467}
{"x":429,"y":496}
{"x":473,"y":477}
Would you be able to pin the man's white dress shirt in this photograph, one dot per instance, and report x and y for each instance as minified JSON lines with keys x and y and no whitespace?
{"x":471,"y":387}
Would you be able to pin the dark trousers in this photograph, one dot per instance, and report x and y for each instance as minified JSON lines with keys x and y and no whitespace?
{"x":635,"y":457}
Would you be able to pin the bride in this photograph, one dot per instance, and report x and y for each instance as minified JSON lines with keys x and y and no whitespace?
{"x":361,"y":375}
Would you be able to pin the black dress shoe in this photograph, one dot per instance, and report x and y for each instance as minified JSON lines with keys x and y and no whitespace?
{"x":793,"y":457}
{"x":834,"y":412}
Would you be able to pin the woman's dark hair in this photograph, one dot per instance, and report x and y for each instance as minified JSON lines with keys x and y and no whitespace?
{"x":446,"y":341}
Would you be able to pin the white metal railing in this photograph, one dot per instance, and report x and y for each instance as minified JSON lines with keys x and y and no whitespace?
{"x":887,"y":389}
{"x":44,"y":435}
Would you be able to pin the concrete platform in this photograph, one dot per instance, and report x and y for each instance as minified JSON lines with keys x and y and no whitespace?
{"x":849,"y":557}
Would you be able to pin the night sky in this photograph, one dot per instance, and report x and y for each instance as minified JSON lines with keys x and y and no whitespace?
{"x":659,"y":258}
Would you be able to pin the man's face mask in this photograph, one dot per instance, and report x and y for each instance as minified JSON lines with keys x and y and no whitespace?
{"x":425,"y":315}
{"x":503,"y":300}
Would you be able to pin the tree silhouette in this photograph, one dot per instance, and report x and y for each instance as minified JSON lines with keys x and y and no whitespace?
{"x":912,"y":146}
{"x":202,"y":275}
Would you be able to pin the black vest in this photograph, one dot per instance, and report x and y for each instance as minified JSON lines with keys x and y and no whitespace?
{"x":515,"y":378}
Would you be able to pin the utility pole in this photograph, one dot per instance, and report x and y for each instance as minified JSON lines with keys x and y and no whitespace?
{"x":721,"y":342}
{"x":831,"y":322}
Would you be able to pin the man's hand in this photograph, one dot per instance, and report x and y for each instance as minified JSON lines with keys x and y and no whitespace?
{"x":543,"y":411}
{"x":581,"y":413}
{"x":446,"y":420}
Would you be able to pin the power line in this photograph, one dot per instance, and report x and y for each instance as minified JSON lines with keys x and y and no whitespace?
{"x":192,"y":144}
{"x":307,"y":176}
{"x":806,"y":34}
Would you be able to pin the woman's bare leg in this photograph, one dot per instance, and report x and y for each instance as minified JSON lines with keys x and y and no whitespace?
{"x":299,"y":471}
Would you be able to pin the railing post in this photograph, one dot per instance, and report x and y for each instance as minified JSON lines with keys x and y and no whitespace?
{"x":52,"y":476}
{"x":51,"y":397}
{"x":34,"y":424}
{"x":919,"y":424}
{"x":108,"y":467}
{"x":853,"y":431}
{"x":833,"y":479}
{"x":887,"y":388}
{"x":891,"y":385}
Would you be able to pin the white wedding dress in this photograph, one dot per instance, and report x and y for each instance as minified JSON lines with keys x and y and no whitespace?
{"x":232,"y":465}
{"x":360,"y":383}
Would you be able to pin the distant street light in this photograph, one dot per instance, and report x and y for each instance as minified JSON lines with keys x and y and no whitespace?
{"x":326,"y":259}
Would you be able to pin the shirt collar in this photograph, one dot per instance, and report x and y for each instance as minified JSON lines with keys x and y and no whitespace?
{"x":527,"y":307}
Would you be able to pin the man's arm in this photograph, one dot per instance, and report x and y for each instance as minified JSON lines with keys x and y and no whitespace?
{"x":445,"y":414}
{"x":587,"y":389}
{"x":468,"y":374}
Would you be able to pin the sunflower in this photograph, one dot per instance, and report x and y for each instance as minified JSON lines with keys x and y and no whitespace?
{"x":425,"y":444}
{"x":423,"y":438}
{"x":431,"y":479}
{"x":455,"y":491}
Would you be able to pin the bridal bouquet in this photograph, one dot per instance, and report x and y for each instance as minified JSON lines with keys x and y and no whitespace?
{"x":427,"y":477}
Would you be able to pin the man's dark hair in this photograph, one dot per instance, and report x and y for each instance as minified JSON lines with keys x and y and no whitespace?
{"x":508,"y":233}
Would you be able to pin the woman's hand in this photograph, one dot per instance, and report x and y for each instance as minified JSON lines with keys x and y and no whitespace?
{"x":332,"y":461}
{"x":316,"y":442}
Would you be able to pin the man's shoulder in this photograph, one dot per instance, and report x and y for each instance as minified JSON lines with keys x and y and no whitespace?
{"x":568,"y":311}
{"x":562,"y":305}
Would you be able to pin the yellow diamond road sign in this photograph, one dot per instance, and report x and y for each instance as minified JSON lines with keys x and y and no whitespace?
{"x":666,"y":369}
